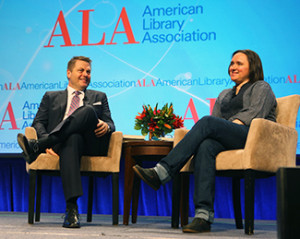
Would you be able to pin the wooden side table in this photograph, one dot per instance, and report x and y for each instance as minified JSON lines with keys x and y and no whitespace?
{"x":134,"y":153}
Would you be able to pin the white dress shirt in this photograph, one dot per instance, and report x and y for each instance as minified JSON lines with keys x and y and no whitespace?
{"x":70,"y":96}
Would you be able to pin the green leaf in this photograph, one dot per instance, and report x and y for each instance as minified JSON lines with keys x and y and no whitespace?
{"x":137,"y":127}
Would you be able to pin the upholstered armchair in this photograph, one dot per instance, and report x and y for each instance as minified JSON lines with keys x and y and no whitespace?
{"x":99,"y":166}
{"x":269,"y":146}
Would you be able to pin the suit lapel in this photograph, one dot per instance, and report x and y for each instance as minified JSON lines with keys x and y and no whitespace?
{"x":63,"y":98}
{"x":87,"y":98}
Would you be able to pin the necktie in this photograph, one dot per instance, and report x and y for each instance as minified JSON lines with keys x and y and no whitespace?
{"x":75,"y":102}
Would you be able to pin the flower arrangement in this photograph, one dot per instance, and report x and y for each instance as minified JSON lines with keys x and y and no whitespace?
{"x":157,"y":122}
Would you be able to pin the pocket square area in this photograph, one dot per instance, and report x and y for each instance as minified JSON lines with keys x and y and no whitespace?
{"x":98,"y":103}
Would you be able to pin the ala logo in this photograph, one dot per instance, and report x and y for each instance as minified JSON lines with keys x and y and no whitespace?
{"x":290,"y":80}
{"x":10,"y":86}
{"x":127,"y":30}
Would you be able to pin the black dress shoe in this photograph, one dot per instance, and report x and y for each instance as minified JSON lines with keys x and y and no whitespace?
{"x":71,"y":218}
{"x":148,"y":175}
{"x":197,"y":225}
{"x":30,"y":148}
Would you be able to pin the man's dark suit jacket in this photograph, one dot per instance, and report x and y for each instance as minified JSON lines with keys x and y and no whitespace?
{"x":53,"y":106}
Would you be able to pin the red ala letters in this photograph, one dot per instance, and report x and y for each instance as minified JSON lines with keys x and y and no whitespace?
{"x":85,"y":30}
{"x":192,"y":108}
{"x":12,"y":120}
{"x":290,"y":80}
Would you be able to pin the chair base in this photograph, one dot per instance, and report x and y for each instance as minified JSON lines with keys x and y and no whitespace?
{"x":249,"y":176}
{"x":35,"y":183}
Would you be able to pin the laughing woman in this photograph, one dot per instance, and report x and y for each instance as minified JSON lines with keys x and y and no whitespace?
{"x":227,"y":128}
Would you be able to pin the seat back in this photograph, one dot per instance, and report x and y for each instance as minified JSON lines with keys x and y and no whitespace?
{"x":287,"y":110}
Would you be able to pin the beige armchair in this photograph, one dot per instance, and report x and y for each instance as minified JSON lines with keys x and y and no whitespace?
{"x":91,"y":166}
{"x":269,"y":146}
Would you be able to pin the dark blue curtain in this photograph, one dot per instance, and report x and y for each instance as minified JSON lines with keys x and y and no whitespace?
{"x":14,"y":184}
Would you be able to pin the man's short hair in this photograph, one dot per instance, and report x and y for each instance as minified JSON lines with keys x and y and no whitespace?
{"x":72,"y":62}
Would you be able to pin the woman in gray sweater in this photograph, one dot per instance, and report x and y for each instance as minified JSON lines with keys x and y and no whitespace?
{"x":227,"y":128}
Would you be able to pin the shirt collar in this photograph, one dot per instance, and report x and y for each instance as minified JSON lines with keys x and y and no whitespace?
{"x":72,"y":90}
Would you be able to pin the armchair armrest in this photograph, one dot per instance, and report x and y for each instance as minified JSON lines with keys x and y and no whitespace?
{"x":179,"y":134}
{"x":115,"y":145}
{"x":269,"y":146}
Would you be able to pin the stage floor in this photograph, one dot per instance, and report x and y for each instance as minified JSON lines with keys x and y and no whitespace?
{"x":14,"y":225}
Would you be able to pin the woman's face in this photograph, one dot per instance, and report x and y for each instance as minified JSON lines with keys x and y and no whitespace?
{"x":239,"y":68}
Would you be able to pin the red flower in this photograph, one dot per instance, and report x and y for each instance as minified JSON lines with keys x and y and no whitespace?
{"x":178,"y":123}
{"x":141,"y":116}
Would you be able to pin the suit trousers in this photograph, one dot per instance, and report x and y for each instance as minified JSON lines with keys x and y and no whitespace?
{"x":208,"y":137}
{"x":71,"y":139}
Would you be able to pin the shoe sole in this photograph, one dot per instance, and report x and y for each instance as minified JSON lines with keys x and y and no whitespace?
{"x":71,"y":226}
{"x":142,"y":177}
{"x":21,"y":142}
{"x":188,"y":230}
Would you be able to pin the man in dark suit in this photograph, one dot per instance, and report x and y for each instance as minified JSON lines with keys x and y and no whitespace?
{"x":71,"y":123}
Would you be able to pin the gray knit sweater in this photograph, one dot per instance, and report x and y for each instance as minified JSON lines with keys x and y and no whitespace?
{"x":258,"y":102}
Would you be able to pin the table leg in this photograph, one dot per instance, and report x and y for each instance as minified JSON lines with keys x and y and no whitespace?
{"x":135,"y":198}
{"x":128,"y":183}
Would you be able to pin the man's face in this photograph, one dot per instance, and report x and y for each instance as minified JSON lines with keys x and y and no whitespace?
{"x":80,"y":76}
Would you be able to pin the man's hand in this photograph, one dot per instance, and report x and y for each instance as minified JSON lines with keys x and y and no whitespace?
{"x":102,"y":128}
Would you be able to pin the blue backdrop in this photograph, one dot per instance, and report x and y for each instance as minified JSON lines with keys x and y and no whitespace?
{"x":143,"y":52}
{"x":14,"y":185}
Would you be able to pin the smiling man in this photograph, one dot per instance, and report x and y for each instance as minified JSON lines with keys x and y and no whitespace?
{"x":71,"y":123}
